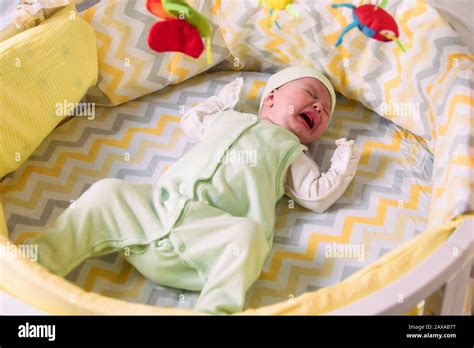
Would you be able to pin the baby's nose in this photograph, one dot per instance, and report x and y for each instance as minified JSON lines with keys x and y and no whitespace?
{"x":318,"y":107}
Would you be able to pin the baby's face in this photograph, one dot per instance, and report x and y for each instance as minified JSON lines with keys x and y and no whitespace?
{"x":302,"y":106}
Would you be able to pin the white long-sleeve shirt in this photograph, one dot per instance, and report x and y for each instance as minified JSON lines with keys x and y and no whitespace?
{"x":303,"y":181}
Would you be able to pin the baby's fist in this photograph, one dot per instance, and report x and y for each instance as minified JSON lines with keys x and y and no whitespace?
{"x":230,"y":93}
{"x":343,"y":141}
{"x":346,"y":152}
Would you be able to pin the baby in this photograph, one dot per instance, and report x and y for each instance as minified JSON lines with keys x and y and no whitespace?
{"x":207,"y":224}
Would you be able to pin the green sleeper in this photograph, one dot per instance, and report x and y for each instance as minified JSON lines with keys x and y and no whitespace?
{"x":207,"y":224}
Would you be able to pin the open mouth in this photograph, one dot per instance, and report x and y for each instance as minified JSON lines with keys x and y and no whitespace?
{"x":308,"y":118}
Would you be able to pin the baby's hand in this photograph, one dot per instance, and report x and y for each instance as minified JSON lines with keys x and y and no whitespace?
{"x":343,"y":141}
{"x":346,"y":152}
{"x":230,"y":93}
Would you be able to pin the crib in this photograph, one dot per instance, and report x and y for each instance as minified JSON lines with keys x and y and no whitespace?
{"x":409,"y":210}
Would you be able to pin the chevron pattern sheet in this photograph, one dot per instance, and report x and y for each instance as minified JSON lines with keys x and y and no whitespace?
{"x":428,"y":90}
{"x":128,"y":68}
{"x":386,"y":204}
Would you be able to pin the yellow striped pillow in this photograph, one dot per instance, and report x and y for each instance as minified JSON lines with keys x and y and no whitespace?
{"x":42,"y":69}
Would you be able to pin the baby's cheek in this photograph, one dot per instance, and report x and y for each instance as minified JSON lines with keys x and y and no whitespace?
{"x":290,"y":109}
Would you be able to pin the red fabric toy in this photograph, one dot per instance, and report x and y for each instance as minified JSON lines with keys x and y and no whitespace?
{"x":181,"y":30}
{"x":175,"y":35}
{"x":373,"y":21}
{"x":378,"y":20}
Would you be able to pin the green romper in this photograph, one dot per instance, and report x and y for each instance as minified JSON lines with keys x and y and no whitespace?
{"x":207,"y":224}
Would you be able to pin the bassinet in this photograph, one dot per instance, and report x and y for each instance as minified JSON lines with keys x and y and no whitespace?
{"x":410,"y":207}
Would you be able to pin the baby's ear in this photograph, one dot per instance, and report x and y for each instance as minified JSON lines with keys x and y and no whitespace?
{"x":268,"y":100}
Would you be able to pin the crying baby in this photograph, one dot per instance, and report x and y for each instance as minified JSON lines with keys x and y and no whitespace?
{"x":208,"y":223}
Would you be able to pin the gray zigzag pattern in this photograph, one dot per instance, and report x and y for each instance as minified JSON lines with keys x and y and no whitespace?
{"x":153,"y":164}
{"x":248,"y":27}
{"x":366,"y":190}
{"x":469,"y":139}
{"x":120,"y":120}
{"x":347,"y":270}
{"x":320,"y":23}
{"x":461,"y":139}
{"x":440,"y":44}
{"x":385,"y":63}
{"x":363,"y":204}
{"x":457,"y":82}
{"x":143,"y":45}
{"x":161,"y":292}
{"x":107,"y":258}
{"x":380,"y":130}
{"x":86,"y":4}
{"x":15,"y":219}
{"x":376,"y":89}
{"x":50,"y":204}
{"x":322,"y":149}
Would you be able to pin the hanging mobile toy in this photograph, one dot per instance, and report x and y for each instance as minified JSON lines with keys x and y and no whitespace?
{"x":181,"y":30}
{"x":275,"y":6}
{"x":373,"y":21}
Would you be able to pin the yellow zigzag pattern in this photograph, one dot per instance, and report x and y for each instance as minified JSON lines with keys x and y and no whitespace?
{"x":379,"y":172}
{"x":389,"y":86}
{"x":91,"y":156}
{"x":216,"y":8}
{"x":272,"y":45}
{"x":349,"y":221}
{"x":175,"y":69}
{"x":255,"y":89}
{"x":122,"y":53}
{"x":434,"y":97}
{"x":453,"y":102}
{"x":438,"y":212}
{"x":110,"y":159}
{"x":119,"y":82}
{"x":117,"y":278}
{"x":369,"y":145}
{"x":115,"y":73}
{"x":326,"y":269}
{"x":398,"y":233}
{"x":96,"y":272}
{"x":467,"y":161}
{"x":134,"y":292}
{"x":422,"y":54}
{"x":459,"y":184}
{"x":334,"y":65}
{"x":344,"y":114}
{"x":295,"y":49}
{"x":453,"y":61}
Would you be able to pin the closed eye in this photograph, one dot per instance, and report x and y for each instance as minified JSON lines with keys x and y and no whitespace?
{"x":311,"y":94}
